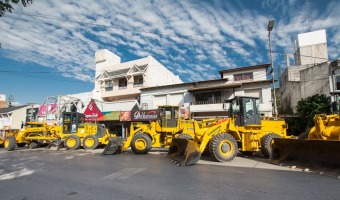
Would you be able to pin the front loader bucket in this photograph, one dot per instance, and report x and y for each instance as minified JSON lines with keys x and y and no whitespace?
{"x":306,"y":152}
{"x":114,"y":146}
{"x":183,"y":152}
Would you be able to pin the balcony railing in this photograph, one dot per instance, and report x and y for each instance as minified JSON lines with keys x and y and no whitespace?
{"x":206,"y":102}
{"x":138,"y":85}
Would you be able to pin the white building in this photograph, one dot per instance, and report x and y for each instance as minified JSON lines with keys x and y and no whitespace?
{"x":116,"y":81}
{"x":206,"y":99}
{"x":11,"y":117}
{"x":311,"y":74}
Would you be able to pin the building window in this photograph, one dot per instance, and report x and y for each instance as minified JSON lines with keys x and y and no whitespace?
{"x":138,"y":81}
{"x":108,"y":86}
{"x":245,"y":76}
{"x":122,"y":83}
{"x":208,"y":97}
{"x":337,"y":82}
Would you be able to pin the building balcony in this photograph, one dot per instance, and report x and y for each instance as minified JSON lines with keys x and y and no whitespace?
{"x":209,"y":107}
{"x":117,"y":92}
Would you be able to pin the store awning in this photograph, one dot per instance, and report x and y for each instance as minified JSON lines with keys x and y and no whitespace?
{"x":117,"y":106}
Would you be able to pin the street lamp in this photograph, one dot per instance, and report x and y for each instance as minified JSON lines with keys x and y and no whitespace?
{"x":270,"y":28}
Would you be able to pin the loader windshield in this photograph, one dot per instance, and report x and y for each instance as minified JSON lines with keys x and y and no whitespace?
{"x":234,"y":107}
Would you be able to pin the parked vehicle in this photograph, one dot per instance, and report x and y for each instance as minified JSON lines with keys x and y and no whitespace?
{"x":245,"y":131}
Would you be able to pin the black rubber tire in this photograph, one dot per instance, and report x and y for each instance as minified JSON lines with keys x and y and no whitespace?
{"x":143,"y":139}
{"x":185,"y":136}
{"x":206,"y":151}
{"x":90,"y":142}
{"x":34,"y":144}
{"x":304,"y":135}
{"x":21,"y":144}
{"x":9,"y":143}
{"x":223,"y":147}
{"x":266,"y":142}
{"x":247,"y":153}
{"x":72,"y":142}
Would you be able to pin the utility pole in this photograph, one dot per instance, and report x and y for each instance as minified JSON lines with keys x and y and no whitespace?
{"x":270,"y":28}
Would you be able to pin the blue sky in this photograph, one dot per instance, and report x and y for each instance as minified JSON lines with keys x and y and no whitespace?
{"x":48,"y":47}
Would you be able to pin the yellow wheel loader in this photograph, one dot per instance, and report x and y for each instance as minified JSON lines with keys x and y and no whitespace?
{"x":73,"y":133}
{"x":320,"y":146}
{"x":155,"y":134}
{"x":243,"y":131}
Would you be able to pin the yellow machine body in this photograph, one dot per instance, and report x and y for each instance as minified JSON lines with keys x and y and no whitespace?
{"x":320,"y":146}
{"x":156,"y":134}
{"x":224,"y":138}
{"x":35,"y":134}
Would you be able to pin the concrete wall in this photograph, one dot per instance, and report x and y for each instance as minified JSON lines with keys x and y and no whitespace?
{"x":315,"y":80}
{"x":312,"y":54}
{"x":148,"y":96}
{"x":258,"y":74}
{"x":303,"y":81}
{"x":158,"y":75}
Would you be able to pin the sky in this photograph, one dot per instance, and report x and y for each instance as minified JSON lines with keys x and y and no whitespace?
{"x":48,"y":47}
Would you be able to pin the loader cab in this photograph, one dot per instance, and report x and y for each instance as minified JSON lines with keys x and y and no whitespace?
{"x":169,"y":116}
{"x":245,"y":111}
{"x":72,"y":121}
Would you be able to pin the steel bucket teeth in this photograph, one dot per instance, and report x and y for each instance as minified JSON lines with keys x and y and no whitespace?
{"x":320,"y":152}
{"x":183,"y":152}
{"x":114,"y":146}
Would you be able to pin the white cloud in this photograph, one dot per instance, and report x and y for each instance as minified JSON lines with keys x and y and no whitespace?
{"x":183,"y":34}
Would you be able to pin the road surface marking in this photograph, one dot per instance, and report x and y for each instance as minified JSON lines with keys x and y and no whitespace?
{"x":125,"y":173}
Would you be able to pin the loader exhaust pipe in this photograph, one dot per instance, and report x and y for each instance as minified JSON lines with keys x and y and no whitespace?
{"x":183,"y":152}
{"x":306,"y":152}
{"x":114,"y":146}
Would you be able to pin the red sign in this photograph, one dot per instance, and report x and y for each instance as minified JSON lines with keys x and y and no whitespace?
{"x":92,"y":113}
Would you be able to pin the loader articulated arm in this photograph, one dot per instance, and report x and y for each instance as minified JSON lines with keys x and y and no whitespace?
{"x":117,"y":144}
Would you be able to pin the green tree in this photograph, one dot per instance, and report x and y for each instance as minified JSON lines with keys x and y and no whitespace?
{"x":6,"y":5}
{"x":307,"y":108}
{"x":10,"y":100}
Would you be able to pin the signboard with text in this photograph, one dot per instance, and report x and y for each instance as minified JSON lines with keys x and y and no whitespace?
{"x":92,"y":113}
{"x":144,"y":115}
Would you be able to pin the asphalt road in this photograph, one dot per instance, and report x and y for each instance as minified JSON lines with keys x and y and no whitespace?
{"x":50,"y":174}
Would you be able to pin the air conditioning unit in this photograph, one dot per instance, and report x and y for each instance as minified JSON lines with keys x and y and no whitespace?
{"x":144,"y":106}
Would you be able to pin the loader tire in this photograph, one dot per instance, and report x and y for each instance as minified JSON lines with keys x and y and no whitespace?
{"x":185,"y":136}
{"x":9,"y":144}
{"x":21,"y":144}
{"x":90,"y":142}
{"x":34,"y":144}
{"x":266,"y":142}
{"x":304,"y":135}
{"x":141,"y":144}
{"x":223,"y":147}
{"x":72,"y":142}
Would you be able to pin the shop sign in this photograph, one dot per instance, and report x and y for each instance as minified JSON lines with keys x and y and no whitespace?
{"x":114,"y":115}
{"x":92,"y":113}
{"x":125,"y":116}
{"x":144,"y":115}
{"x":51,"y":109}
